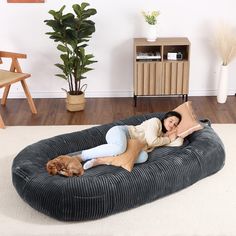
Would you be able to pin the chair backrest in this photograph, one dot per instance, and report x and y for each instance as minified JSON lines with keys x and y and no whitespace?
{"x":15,"y":66}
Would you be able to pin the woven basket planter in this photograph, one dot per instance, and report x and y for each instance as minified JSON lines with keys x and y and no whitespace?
{"x":75,"y":102}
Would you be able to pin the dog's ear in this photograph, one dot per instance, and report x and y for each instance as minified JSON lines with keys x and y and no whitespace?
{"x":59,"y":165}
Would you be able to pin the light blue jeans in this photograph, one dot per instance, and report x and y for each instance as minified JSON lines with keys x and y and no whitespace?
{"x":116,"y":138}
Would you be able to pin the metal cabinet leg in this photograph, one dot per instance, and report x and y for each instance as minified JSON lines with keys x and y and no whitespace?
{"x":186,"y":97}
{"x":135,"y":100}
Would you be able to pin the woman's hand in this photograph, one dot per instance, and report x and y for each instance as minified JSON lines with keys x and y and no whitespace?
{"x":172,"y":134}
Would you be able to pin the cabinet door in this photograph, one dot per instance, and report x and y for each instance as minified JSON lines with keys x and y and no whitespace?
{"x":175,"y":74}
{"x":148,"y":78}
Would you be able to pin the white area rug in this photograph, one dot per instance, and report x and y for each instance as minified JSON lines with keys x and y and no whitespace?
{"x":207,"y":208}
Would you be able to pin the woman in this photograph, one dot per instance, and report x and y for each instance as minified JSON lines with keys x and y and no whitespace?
{"x":150,"y":133}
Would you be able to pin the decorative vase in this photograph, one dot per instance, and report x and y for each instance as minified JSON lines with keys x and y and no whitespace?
{"x":222,"y":84}
{"x":75,"y":102}
{"x":151,"y":33}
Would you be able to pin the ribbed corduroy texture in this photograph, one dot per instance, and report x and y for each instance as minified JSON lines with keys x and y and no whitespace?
{"x":106,"y":190}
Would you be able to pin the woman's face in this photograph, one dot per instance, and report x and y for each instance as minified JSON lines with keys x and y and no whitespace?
{"x":171,"y":122}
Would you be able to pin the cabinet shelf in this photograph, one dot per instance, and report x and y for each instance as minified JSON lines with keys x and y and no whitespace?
{"x":166,"y":75}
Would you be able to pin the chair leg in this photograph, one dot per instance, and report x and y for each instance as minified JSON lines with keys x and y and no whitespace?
{"x":1,"y":123}
{"x":5,"y":95}
{"x":28,"y":95}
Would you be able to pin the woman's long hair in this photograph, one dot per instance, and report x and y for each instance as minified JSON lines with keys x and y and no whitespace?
{"x":169,"y":114}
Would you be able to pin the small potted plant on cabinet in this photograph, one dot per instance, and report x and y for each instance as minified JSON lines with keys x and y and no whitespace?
{"x":151,"y":19}
{"x":72,"y":31}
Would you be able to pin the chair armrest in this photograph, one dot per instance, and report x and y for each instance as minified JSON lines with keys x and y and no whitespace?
{"x":12,"y":55}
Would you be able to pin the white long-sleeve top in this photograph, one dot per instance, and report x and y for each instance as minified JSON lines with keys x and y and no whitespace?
{"x":149,"y":133}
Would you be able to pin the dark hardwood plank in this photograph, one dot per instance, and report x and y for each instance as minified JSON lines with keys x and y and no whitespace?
{"x":105,"y":110}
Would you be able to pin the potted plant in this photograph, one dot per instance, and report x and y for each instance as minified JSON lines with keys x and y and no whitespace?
{"x":151,"y":19}
{"x":72,"y":31}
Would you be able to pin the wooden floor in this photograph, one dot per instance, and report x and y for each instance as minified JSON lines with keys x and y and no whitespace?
{"x":105,"y":110}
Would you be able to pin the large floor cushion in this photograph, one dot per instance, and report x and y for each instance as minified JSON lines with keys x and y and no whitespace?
{"x":105,"y":190}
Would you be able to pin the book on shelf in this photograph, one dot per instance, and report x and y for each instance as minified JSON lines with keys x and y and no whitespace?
{"x":148,"y":56}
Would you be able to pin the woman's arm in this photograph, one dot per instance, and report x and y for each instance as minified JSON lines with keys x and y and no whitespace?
{"x":153,"y":133}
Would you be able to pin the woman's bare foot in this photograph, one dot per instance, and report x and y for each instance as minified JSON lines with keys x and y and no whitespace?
{"x":98,"y":161}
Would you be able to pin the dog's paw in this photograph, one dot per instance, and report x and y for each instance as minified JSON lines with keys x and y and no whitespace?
{"x":64,"y":173}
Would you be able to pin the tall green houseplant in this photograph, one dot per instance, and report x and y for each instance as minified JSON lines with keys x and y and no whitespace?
{"x":72,"y":32}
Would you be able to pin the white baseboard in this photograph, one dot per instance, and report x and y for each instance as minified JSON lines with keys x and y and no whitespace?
{"x":91,"y":94}
{"x":208,"y":92}
{"x":50,"y":94}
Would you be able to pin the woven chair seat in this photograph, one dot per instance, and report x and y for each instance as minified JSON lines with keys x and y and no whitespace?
{"x":8,"y":77}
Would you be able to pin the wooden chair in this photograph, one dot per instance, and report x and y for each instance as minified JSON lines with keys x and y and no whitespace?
{"x":15,"y":74}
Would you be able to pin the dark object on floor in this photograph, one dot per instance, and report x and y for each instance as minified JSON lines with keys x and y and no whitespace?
{"x":105,"y":190}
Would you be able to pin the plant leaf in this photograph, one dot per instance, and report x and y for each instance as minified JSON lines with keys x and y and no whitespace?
{"x":62,"y":48}
{"x":61,"y":76}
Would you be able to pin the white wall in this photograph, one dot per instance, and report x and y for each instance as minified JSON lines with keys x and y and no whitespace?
{"x":117,"y":23}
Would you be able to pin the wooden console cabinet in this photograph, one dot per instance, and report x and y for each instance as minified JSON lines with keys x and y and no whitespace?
{"x":161,"y":67}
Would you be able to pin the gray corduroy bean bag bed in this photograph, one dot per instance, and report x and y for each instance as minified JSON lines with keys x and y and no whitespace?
{"x":105,"y":190}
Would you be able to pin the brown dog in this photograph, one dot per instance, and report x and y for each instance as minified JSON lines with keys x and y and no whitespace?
{"x":65,"y":165}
